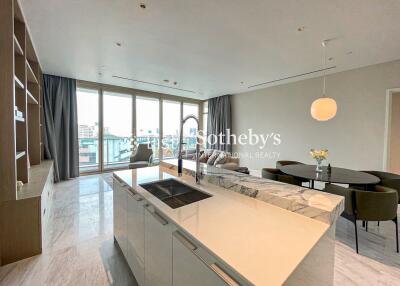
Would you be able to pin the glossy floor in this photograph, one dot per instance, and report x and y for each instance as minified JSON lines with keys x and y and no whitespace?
{"x":79,"y":247}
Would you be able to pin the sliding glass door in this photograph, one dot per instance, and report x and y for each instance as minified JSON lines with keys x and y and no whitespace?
{"x":190,"y":127}
{"x":110,"y":123}
{"x":171,"y":128}
{"x":148,"y":123}
{"x":88,"y":129}
{"x":117,"y":129}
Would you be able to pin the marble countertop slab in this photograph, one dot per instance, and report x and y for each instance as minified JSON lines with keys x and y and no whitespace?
{"x":307,"y":202}
{"x":263,"y":243}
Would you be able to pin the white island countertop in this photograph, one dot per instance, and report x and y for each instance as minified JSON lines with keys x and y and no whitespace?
{"x":307,"y":202}
{"x":261,"y":242}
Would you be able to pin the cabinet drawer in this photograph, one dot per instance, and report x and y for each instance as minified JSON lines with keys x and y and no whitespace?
{"x":120,"y":216}
{"x":194,"y":266}
{"x":135,"y":235}
{"x":158,"y":248}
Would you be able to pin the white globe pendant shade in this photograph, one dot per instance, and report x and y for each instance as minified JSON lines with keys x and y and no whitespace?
{"x":323,"y":109}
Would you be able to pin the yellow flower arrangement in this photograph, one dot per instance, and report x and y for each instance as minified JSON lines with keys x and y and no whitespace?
{"x":319,"y":154}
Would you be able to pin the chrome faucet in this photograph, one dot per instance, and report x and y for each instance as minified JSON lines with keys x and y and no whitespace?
{"x":197,"y":174}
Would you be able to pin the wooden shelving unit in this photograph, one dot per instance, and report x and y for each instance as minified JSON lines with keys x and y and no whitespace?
{"x":31,"y":98}
{"x":18,"y":83}
{"x":18,"y":49}
{"x":21,"y":136}
{"x":20,"y":154}
{"x":31,"y":75}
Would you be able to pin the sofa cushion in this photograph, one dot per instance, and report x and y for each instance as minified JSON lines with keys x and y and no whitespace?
{"x":222,"y":158}
{"x":204,"y":157}
{"x":228,"y":166}
{"x":213,"y":157}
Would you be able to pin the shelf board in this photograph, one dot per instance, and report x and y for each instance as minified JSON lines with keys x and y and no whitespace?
{"x":18,"y":82}
{"x":19,"y":119}
{"x":17,"y":47}
{"x":19,"y":154}
{"x":31,"y":75}
{"x":31,"y":99}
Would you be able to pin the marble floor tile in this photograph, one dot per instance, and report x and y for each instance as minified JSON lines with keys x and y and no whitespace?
{"x":79,"y":245}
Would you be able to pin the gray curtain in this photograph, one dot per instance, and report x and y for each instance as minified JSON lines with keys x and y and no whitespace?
{"x":61,"y":126}
{"x":219,"y":121}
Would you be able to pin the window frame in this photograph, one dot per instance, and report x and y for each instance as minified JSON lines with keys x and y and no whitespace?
{"x":101,"y":88}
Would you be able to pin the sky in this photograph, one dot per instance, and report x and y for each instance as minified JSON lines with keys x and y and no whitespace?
{"x":118,"y":113}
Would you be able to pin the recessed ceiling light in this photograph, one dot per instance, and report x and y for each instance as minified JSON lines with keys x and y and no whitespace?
{"x":142,"y":5}
{"x":118,"y":44}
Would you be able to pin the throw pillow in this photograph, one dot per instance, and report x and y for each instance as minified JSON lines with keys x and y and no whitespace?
{"x":222,"y":158}
{"x":203,"y":158}
{"x":213,"y":157}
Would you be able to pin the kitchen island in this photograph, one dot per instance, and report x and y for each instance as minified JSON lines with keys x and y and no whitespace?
{"x":229,"y":238}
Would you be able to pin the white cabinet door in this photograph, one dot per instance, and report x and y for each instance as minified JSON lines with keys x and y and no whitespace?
{"x":120,"y":215}
{"x":158,"y":249}
{"x":135,"y":229}
{"x":189,"y":268}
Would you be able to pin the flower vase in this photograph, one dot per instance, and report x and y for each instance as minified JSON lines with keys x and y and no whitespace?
{"x":318,"y":169}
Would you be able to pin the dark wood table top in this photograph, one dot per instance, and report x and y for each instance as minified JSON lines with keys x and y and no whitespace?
{"x":338,"y":175}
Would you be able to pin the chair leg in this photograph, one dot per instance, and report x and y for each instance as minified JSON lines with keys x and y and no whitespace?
{"x":378,"y":222}
{"x":355,"y":228}
{"x":366,"y":226}
{"x":397,"y":234}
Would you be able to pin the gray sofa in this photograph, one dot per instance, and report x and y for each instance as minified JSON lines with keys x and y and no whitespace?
{"x":231,"y":163}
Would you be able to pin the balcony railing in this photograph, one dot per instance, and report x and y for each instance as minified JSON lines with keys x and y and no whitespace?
{"x":118,"y":150}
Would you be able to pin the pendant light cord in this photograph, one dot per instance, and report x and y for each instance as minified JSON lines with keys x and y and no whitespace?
{"x":324,"y":43}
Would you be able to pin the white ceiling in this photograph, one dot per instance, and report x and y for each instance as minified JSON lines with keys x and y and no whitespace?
{"x":208,"y":46}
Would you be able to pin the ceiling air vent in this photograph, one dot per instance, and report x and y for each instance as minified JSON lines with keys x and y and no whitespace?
{"x":152,"y":83}
{"x":290,"y":77}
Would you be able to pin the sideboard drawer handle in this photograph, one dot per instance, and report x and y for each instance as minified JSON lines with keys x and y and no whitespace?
{"x":185,"y":241}
{"x":223,"y":275}
{"x":158,"y":217}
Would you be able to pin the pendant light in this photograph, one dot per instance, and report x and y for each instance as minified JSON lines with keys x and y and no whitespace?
{"x":324,"y":108}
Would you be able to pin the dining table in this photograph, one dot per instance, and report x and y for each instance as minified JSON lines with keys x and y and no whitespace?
{"x":335,"y":175}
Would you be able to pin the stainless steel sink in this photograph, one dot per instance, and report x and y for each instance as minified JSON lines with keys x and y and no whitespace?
{"x":174,"y":193}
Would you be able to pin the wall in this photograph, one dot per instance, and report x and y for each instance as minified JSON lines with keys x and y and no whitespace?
{"x":394,"y":161}
{"x":355,"y":137}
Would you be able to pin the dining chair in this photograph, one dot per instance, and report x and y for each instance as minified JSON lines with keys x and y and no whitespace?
{"x":388,"y":180}
{"x":277,"y":175}
{"x":377,"y":205}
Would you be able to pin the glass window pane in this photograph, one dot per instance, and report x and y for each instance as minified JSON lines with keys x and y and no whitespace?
{"x":147,"y":123}
{"x":171,"y":128}
{"x":88,"y":129}
{"x":117,"y":129}
{"x":190,"y":127}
